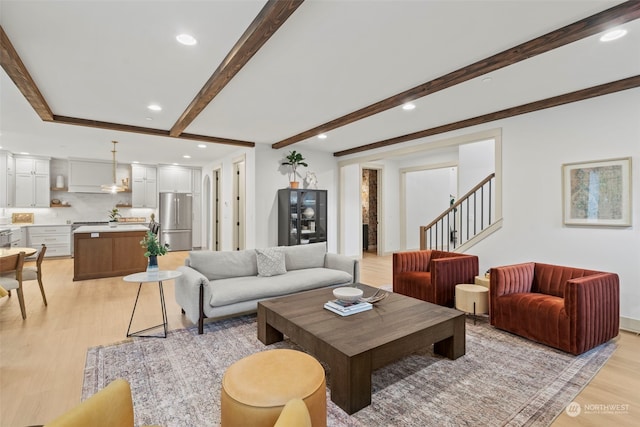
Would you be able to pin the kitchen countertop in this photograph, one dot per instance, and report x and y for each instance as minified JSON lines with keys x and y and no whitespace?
{"x":107,"y":229}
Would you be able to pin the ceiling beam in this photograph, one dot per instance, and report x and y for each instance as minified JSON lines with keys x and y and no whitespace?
{"x":147,"y":131}
{"x":580,"y":95}
{"x":268,"y":21}
{"x":617,"y":15}
{"x":16,"y":70}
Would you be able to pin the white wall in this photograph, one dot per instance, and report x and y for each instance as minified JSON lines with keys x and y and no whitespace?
{"x":226,"y":193}
{"x":476,"y":161}
{"x":534,"y":148}
{"x":426,"y":196}
{"x":270,"y":177}
{"x":350,"y":211}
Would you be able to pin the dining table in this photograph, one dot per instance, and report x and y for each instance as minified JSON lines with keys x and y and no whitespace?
{"x":5,"y":252}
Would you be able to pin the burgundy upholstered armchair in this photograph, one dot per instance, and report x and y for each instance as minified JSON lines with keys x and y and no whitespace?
{"x":432,"y":275}
{"x":568,"y":308}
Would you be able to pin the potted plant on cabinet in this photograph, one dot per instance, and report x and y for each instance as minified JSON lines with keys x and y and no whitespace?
{"x":294,"y":159}
{"x":153,"y":249}
{"x":114,"y":214}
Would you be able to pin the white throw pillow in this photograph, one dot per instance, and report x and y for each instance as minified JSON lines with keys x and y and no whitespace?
{"x":270,"y":262}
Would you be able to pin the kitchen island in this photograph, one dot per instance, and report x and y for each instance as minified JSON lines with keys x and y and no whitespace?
{"x":103,"y":251}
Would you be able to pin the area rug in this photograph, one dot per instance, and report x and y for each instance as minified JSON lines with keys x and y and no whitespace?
{"x":503,"y":380}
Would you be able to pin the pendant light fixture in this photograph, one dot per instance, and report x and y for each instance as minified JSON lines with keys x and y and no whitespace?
{"x":113,"y":187}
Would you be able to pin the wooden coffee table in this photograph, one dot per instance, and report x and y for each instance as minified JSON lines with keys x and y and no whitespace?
{"x":355,"y":345}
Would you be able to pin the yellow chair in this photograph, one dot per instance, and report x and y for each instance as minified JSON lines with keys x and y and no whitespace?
{"x":11,"y":266}
{"x":294,"y":414}
{"x":110,"y":407}
{"x":113,"y":407}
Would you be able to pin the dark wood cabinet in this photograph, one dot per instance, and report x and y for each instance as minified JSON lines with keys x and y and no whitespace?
{"x":108,"y":254}
{"x":302,"y":216}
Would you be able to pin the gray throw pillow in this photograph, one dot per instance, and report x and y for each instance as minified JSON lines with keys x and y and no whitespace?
{"x":270,"y":262}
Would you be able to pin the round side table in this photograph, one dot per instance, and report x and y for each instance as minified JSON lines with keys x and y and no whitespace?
{"x":472,"y":299}
{"x":146,"y":277}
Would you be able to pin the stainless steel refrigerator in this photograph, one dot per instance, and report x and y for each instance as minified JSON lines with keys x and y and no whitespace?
{"x":175,"y":220}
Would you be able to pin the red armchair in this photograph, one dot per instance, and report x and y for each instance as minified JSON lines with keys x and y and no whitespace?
{"x":431,"y":275}
{"x":571,"y":309}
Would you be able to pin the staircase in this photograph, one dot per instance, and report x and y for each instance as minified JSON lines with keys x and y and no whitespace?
{"x":466,"y":220}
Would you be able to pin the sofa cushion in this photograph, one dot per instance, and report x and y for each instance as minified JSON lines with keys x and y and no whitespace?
{"x":216,"y":265}
{"x":305,"y":256}
{"x":270,"y":262}
{"x":551,"y":279}
{"x":539,"y":317}
{"x":237,"y":289}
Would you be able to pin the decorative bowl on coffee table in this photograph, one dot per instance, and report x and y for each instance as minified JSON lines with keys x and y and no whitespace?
{"x":347,"y":294}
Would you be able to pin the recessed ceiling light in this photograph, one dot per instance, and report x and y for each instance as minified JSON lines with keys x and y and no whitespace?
{"x":24,"y":153}
{"x":136,"y":162}
{"x":186,"y":156}
{"x":154,"y":107}
{"x":186,"y":39}
{"x":487,"y":80}
{"x":149,"y":118}
{"x":175,"y":164}
{"x":202,"y":145}
{"x":322,"y":136}
{"x":408,"y":106}
{"x":613,"y":35}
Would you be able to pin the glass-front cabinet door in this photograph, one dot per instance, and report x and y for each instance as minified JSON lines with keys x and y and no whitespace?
{"x":302,"y":216}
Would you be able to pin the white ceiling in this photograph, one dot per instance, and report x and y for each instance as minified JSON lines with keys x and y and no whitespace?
{"x":107,"y":60}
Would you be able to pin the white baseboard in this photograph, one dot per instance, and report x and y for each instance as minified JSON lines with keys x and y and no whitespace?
{"x":629,"y":324}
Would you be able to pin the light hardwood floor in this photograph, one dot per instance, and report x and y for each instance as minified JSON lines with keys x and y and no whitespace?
{"x":42,"y":358}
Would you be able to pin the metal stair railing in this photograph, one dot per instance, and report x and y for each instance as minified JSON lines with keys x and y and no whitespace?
{"x":464,"y":219}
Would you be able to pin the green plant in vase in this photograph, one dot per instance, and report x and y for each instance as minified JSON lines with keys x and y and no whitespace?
{"x":153,"y":249}
{"x":114,"y":214}
{"x":294,"y":159}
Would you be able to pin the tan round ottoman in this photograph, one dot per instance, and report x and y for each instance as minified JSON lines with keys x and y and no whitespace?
{"x":472,"y":299}
{"x":256,"y":388}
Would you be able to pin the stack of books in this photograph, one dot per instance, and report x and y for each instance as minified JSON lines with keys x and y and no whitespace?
{"x":347,"y":308}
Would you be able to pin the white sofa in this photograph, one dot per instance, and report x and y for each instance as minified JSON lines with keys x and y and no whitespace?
{"x":224,"y":283}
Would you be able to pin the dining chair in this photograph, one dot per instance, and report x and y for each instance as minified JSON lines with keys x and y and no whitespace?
{"x":35,"y":273}
{"x":13,"y":263}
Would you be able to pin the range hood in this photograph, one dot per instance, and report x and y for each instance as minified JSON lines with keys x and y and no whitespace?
{"x":88,"y":176}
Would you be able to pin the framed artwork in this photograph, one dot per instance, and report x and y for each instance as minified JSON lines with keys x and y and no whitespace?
{"x":597,"y":193}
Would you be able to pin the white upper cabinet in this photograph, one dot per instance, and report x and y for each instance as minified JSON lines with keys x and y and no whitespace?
{"x":7,"y":180}
{"x":176,"y":179}
{"x":144,"y":186}
{"x":32,"y":182}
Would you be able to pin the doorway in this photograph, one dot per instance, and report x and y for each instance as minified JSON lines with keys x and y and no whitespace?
{"x":370,"y":197}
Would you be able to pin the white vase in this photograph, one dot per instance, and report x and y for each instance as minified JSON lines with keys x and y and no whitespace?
{"x":308,"y":213}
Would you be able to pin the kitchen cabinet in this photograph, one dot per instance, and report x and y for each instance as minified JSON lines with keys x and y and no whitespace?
{"x":7,"y":180}
{"x":32,"y":182}
{"x":108,"y":252}
{"x":302,"y":216}
{"x":56,"y":237}
{"x":144,"y":186}
{"x":174,"y":179}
